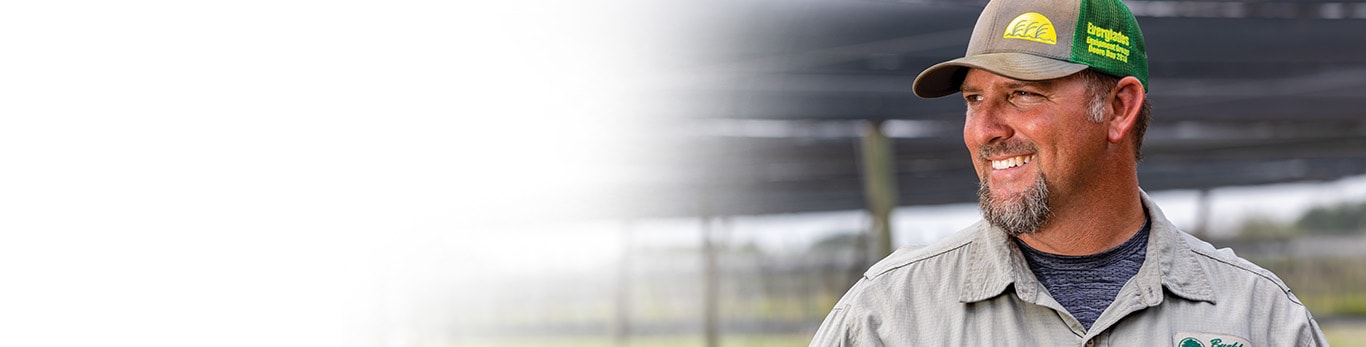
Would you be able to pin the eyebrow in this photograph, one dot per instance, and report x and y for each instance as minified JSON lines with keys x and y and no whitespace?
{"x":1036,"y":84}
{"x":1011,"y":85}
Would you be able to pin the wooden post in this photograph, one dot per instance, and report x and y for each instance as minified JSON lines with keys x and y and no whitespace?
{"x":879,"y":183}
{"x":1202,"y":214}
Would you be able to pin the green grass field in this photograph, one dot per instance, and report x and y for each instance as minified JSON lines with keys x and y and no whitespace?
{"x":1346,"y":334}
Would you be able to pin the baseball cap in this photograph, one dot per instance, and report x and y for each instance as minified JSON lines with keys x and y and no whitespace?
{"x":1040,"y":40}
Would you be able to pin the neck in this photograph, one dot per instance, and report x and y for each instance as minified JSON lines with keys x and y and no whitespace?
{"x":1093,"y":220}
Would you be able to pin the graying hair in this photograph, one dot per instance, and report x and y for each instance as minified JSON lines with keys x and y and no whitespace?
{"x":1098,"y":87}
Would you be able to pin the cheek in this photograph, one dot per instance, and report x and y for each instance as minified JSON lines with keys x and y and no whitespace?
{"x":967,"y":134}
{"x":1074,"y":151}
{"x":967,"y":143}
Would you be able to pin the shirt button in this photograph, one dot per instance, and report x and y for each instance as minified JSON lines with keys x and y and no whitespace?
{"x":1090,"y":343}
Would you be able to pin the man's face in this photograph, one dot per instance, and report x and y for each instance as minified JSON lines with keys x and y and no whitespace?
{"x":1033,"y":145}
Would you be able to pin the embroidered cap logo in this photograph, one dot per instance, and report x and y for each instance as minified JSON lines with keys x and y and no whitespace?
{"x":1032,"y":26}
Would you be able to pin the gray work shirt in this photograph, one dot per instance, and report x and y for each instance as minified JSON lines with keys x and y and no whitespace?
{"x":975,"y":289}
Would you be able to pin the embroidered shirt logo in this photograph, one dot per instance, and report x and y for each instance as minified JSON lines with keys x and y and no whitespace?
{"x":1032,"y":26}
{"x":1208,"y":340}
{"x":1191,"y":342}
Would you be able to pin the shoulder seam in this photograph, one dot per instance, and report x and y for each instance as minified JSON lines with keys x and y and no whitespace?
{"x":919,"y":259}
{"x":1263,"y":273}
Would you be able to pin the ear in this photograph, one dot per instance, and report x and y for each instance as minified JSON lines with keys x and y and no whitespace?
{"x":1125,"y":104}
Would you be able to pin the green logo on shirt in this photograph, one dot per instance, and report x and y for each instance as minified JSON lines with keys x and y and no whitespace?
{"x":1192,"y":342}
{"x":1220,"y":343}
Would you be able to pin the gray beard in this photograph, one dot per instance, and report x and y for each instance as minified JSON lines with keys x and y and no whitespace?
{"x":1019,"y":215}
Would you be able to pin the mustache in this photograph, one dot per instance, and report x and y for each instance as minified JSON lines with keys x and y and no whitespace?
{"x":1009,"y":148}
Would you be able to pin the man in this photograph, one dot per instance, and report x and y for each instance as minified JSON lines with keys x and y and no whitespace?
{"x":1071,"y":252}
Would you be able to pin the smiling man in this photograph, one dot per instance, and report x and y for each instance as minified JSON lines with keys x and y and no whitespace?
{"x":1070,"y":252}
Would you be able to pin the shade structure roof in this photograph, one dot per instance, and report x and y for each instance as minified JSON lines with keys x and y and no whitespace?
{"x":767,"y":118}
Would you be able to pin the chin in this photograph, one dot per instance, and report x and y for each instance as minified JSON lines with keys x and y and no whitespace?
{"x":1018,"y":212}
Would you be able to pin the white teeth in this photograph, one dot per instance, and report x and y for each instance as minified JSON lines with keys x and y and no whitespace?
{"x":1011,"y":162}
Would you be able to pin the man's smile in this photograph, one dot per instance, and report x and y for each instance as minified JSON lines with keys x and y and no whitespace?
{"x":1011,"y":162}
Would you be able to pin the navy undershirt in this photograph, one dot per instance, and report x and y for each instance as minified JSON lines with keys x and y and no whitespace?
{"x":1086,"y":285}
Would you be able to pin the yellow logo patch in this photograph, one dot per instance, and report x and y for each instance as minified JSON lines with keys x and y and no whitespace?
{"x":1032,"y":26}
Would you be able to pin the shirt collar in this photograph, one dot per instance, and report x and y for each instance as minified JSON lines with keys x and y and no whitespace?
{"x":995,"y":263}
{"x":1177,"y":268}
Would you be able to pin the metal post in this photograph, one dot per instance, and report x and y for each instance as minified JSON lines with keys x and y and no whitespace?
{"x":879,"y":183}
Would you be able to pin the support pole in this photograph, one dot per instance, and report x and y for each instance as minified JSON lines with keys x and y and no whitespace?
{"x":1202,"y":214}
{"x":879,"y":183}
{"x":621,"y":330}
{"x":710,"y":281}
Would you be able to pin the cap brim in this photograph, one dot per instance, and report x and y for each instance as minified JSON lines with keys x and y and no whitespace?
{"x":945,"y":78}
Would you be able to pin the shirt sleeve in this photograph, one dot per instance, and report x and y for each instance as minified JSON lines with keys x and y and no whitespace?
{"x":1311,"y":334}
{"x":849,"y":323}
{"x":1296,"y":326}
{"x":834,"y":331}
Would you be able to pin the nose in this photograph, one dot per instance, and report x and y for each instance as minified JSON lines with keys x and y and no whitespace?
{"x":985,"y":125}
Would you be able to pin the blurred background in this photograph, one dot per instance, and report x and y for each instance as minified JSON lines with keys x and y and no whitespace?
{"x":594,"y":173}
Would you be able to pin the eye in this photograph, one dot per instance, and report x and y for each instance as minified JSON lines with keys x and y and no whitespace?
{"x":1025,"y":96}
{"x":972,"y":98}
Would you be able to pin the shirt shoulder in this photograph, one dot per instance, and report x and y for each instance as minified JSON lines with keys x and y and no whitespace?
{"x":898,"y":290}
{"x":1262,"y":300}
{"x":1224,"y":266}
{"x":906,"y":258}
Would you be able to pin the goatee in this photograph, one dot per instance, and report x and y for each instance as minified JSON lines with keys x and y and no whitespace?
{"x":1021,"y":214}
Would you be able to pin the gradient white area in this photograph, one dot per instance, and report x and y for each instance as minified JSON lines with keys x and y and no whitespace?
{"x":324,"y":173}
{"x":283,"y":173}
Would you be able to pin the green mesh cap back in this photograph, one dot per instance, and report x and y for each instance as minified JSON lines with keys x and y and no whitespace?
{"x":1109,"y":40}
